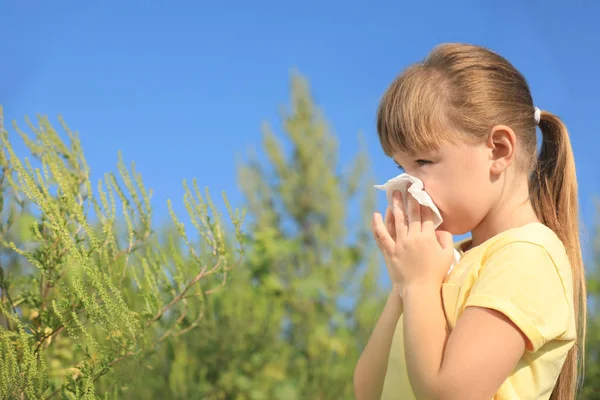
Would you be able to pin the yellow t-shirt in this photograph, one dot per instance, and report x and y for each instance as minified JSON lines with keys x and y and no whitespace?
{"x":525,"y":274}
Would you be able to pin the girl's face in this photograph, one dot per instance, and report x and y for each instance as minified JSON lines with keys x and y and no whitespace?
{"x":458,"y":179}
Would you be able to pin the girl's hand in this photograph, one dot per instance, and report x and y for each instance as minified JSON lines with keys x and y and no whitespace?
{"x":414,"y":252}
{"x":389,"y":225}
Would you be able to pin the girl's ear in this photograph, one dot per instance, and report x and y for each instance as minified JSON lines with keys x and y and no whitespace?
{"x":502,"y":143}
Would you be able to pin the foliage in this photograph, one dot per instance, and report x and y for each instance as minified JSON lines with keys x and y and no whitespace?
{"x":303,"y":302}
{"x":591,"y":383}
{"x":86,"y":283}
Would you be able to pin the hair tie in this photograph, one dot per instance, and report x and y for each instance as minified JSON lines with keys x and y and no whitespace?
{"x":537,"y":115}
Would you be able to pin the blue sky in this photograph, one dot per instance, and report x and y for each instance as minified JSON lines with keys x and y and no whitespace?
{"x":182,"y":89}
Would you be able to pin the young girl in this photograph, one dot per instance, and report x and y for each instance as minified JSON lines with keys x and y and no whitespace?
{"x":508,"y":321}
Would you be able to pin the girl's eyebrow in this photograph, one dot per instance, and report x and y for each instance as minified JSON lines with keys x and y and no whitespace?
{"x":412,"y":158}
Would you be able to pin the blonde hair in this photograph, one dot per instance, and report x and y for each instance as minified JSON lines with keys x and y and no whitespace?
{"x":459,"y":92}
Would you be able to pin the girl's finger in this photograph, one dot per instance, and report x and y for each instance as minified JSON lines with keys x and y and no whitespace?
{"x":389,"y":222}
{"x":375,"y":235}
{"x":374,"y":231}
{"x":386,"y":243}
{"x":414,"y":215}
{"x":427,"y":219}
{"x":400,"y":223}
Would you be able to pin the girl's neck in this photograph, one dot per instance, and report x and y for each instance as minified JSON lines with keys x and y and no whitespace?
{"x":511,"y":211}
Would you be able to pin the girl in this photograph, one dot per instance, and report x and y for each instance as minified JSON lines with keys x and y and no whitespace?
{"x":508,"y":321}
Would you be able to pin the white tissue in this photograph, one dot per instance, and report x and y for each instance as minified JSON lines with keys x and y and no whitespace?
{"x":401,"y":183}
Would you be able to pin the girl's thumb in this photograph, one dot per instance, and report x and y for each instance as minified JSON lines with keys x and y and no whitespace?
{"x":445,"y":239}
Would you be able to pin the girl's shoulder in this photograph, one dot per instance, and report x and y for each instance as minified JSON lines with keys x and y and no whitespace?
{"x":526,"y":255}
{"x":534,"y":240}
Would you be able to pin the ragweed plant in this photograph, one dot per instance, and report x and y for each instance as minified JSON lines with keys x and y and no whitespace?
{"x":85,"y":280}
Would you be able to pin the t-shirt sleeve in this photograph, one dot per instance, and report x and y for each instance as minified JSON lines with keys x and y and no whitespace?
{"x":522,"y":282}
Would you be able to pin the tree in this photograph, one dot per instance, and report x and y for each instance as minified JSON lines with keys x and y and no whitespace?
{"x":322,"y":261}
{"x":86,"y":283}
{"x":303,"y":302}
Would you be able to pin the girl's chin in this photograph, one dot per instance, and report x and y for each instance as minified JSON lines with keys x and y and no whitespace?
{"x":448,"y":228}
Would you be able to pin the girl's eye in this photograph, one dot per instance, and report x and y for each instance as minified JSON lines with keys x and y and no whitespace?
{"x":420,"y":163}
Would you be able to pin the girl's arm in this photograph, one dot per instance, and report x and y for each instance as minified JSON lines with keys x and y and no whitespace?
{"x":479,"y":355}
{"x":371,"y":368}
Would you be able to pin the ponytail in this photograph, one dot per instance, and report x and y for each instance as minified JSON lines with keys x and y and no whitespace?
{"x":554,"y":197}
